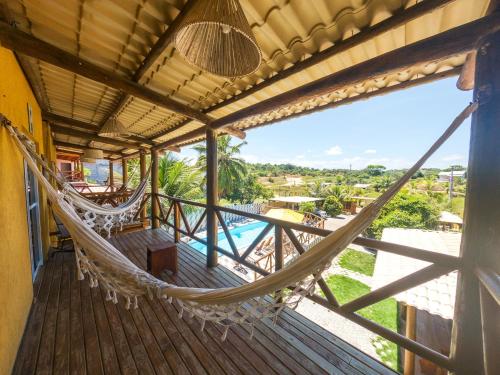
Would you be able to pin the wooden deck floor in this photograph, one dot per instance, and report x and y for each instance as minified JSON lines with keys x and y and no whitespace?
{"x":72,"y":329}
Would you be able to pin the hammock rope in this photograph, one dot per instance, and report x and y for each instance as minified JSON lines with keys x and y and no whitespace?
{"x":245,"y":304}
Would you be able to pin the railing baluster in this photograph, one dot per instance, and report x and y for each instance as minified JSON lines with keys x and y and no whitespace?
{"x":227,"y":233}
{"x":177,"y":221}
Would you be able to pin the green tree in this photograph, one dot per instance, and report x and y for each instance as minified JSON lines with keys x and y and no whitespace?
{"x":231,"y":168}
{"x":406,"y":211}
{"x":179,"y":179}
{"x":333,"y":206}
{"x":375,"y":169}
{"x":382,"y":183}
{"x":342,"y":193}
{"x":307,"y":207}
{"x":247,"y":190}
{"x":316,"y":189}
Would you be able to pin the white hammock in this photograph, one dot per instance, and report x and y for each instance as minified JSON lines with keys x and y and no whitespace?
{"x":241,"y":305}
{"x":101,"y":218}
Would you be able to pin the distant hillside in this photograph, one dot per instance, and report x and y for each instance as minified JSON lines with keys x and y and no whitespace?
{"x":99,"y":171}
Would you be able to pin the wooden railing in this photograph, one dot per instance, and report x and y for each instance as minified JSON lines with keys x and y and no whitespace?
{"x":113,"y":198}
{"x":287,"y":237}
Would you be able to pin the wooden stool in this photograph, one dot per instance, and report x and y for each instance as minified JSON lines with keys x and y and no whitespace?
{"x":162,"y":256}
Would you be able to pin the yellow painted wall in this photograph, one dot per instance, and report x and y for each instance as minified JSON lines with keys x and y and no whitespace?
{"x":16,"y":288}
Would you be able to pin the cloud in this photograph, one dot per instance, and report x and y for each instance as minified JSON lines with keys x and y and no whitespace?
{"x":370,"y":151}
{"x":335,"y":150}
{"x":454,"y":157}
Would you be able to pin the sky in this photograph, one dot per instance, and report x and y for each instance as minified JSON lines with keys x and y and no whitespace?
{"x":393,"y":130}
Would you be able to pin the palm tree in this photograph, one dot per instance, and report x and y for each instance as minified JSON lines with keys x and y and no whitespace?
{"x":231,"y":168}
{"x":316,"y":189}
{"x":179,"y":179}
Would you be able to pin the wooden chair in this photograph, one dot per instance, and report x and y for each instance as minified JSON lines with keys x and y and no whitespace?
{"x":63,"y":238}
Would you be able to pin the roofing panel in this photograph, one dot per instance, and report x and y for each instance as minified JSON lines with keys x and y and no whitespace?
{"x":436,"y":296}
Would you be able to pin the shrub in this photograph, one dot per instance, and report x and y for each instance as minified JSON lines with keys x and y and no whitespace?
{"x":307,"y":207}
{"x":405,"y":211}
{"x":332,"y":206}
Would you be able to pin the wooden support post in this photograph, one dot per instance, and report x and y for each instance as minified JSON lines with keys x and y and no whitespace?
{"x":411,"y":333}
{"x":212,"y":196}
{"x":177,"y":221}
{"x":155,"y":208}
{"x":111,"y":176}
{"x":124,"y":172}
{"x":278,"y":247}
{"x":142,"y":167}
{"x":481,"y":235}
{"x":278,"y":251}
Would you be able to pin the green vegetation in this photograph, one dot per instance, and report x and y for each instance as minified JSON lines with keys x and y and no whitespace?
{"x":231,"y":168}
{"x":406,"y":211}
{"x":307,"y":207}
{"x":178,"y":178}
{"x":332,"y":206}
{"x":384,"y":313}
{"x":248,"y":190}
{"x":358,"y":261}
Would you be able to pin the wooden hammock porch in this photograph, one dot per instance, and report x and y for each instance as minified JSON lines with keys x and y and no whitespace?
{"x":73,"y":329}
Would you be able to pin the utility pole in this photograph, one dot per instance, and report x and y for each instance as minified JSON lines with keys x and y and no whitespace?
{"x":451,"y":184}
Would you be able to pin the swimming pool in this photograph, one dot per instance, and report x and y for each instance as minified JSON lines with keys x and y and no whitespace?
{"x":242,"y":236}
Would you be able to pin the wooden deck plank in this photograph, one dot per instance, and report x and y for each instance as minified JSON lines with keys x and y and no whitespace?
{"x":108,"y":353}
{"x":77,"y":357}
{"x":91,"y":339}
{"x":62,"y":348}
{"x":123,"y":352}
{"x":45,"y":361}
{"x":72,"y":328}
{"x":28,"y":351}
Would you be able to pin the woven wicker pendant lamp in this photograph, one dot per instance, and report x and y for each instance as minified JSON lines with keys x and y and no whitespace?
{"x":113,"y":128}
{"x":90,"y":155}
{"x":215,"y":36}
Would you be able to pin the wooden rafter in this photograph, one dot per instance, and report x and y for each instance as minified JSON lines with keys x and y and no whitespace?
{"x":62,"y":120}
{"x":154,"y":53}
{"x":76,"y":148}
{"x":28,"y":45}
{"x":91,"y":136}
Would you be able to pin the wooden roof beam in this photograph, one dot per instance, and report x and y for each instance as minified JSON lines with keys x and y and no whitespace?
{"x":91,"y":136}
{"x":28,"y":45}
{"x":154,"y":53}
{"x":51,"y":117}
{"x":75,"y":147}
{"x":458,"y":40}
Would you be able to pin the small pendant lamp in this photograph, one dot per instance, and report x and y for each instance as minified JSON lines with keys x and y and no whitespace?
{"x":215,"y":36}
{"x":113,"y":128}
{"x":90,"y":155}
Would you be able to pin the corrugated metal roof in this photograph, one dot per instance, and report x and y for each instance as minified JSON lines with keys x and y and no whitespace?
{"x":117,"y":35}
{"x":436,"y":296}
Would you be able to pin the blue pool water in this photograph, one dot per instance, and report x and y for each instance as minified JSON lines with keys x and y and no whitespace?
{"x":242,"y":236}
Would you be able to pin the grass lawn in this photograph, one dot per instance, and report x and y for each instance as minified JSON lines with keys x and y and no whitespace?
{"x":358,"y":261}
{"x":384,"y":313}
